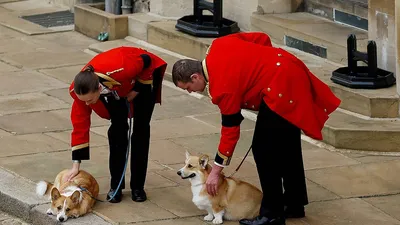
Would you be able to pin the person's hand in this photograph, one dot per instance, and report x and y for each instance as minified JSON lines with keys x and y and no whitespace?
{"x":72,"y":172}
{"x":131,"y":95}
{"x":213,"y":180}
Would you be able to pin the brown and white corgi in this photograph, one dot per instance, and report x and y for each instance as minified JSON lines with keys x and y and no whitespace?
{"x":70,"y":199}
{"x":235,"y":200}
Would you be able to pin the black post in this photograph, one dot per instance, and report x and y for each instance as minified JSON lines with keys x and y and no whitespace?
{"x":368,"y":77}
{"x":351,"y":48}
{"x":372,"y":59}
{"x":207,"y":25}
{"x":217,"y":13}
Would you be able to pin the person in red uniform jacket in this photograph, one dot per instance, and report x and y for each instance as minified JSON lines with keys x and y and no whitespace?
{"x":107,"y":85}
{"x":244,"y":71}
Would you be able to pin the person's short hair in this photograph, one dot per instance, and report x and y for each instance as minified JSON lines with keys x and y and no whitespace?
{"x":86,"y":81}
{"x":184,"y":68}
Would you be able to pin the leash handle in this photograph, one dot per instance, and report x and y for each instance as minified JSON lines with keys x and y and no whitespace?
{"x":241,"y":162}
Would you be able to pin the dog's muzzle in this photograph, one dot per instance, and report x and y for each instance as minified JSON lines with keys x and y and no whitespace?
{"x":190,"y":176}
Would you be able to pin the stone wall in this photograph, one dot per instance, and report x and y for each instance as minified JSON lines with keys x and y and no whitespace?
{"x":397,"y":42}
{"x":381,"y":29}
{"x":138,"y":5}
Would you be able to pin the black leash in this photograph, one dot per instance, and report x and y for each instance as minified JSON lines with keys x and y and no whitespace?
{"x":241,"y":162}
{"x":127,"y":154}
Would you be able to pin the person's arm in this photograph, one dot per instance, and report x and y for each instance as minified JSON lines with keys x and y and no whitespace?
{"x":231,"y":118}
{"x":80,"y":118}
{"x":229,"y":105}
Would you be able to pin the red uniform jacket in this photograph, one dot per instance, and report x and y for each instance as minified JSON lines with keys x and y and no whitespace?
{"x":118,"y":69}
{"x":243,"y":69}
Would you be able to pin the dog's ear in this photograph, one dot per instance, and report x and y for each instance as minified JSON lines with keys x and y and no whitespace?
{"x":55,"y":194}
{"x":203,"y":161}
{"x":75,"y":197}
{"x":187,"y":154}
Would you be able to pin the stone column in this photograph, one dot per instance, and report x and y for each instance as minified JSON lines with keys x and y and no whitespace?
{"x":397,"y":28}
{"x":381,"y":29}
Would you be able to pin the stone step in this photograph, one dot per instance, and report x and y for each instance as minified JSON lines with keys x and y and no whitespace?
{"x":382,"y":103}
{"x":351,"y":12}
{"x":310,"y":33}
{"x":342,"y":130}
{"x":346,"y":131}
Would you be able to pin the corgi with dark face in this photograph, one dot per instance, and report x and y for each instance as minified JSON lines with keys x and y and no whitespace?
{"x":70,"y":199}
{"x":235,"y":200}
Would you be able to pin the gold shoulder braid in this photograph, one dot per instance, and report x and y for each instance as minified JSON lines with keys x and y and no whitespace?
{"x":203,"y":63}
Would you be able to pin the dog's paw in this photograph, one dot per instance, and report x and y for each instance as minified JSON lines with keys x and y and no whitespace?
{"x":49,"y":212}
{"x":217,"y":221}
{"x":209,"y":217}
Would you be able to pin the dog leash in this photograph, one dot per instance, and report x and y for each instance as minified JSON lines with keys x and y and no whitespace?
{"x":241,"y":162}
{"x":127,"y":154}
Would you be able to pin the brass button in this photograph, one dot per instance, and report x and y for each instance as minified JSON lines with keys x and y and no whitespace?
{"x":290,"y":101}
{"x":278,"y":63}
{"x":325,"y":110}
{"x":279,"y":54}
{"x":268,"y":89}
{"x":245,"y":103}
{"x":280,"y":95}
{"x":252,"y":106}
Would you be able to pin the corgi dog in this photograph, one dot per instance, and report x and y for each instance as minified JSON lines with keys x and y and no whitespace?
{"x":70,"y":199}
{"x":235,"y":200}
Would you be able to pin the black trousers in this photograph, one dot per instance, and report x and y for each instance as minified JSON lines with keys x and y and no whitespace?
{"x":278,"y":156}
{"x":143,"y":105}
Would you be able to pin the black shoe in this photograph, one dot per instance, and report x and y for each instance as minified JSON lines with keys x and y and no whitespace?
{"x":262,"y":220}
{"x":117,"y":198}
{"x":294,"y":212}
{"x":139,"y":195}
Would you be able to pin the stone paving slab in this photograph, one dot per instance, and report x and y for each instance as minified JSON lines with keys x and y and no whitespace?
{"x":29,"y":102}
{"x":346,"y":211}
{"x":26,"y":82}
{"x":4,"y":67}
{"x":7,"y":33}
{"x":180,"y":204}
{"x":18,"y":45}
{"x":70,"y":42}
{"x":130,"y":211}
{"x":62,"y":94}
{"x":169,"y":107}
{"x":65,"y":136}
{"x":183,"y":221}
{"x":208,"y":143}
{"x":30,"y":144}
{"x":321,"y":158}
{"x":64,"y":74}
{"x":4,"y":133}
{"x":47,"y":59}
{"x":360,"y":180}
{"x":38,"y":122}
{"x":389,"y":204}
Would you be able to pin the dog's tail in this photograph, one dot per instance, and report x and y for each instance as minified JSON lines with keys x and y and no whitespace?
{"x":43,"y":188}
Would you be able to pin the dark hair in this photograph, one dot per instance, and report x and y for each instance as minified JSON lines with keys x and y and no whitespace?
{"x":86,"y":81}
{"x":184,"y":68}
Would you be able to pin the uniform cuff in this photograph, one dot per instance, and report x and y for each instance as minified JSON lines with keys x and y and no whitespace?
{"x":81,"y":154}
{"x":222,"y":160}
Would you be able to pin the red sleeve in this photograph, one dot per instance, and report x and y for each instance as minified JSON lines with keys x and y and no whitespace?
{"x":80,"y":118}
{"x":230,"y":108}
{"x":254,"y":37}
